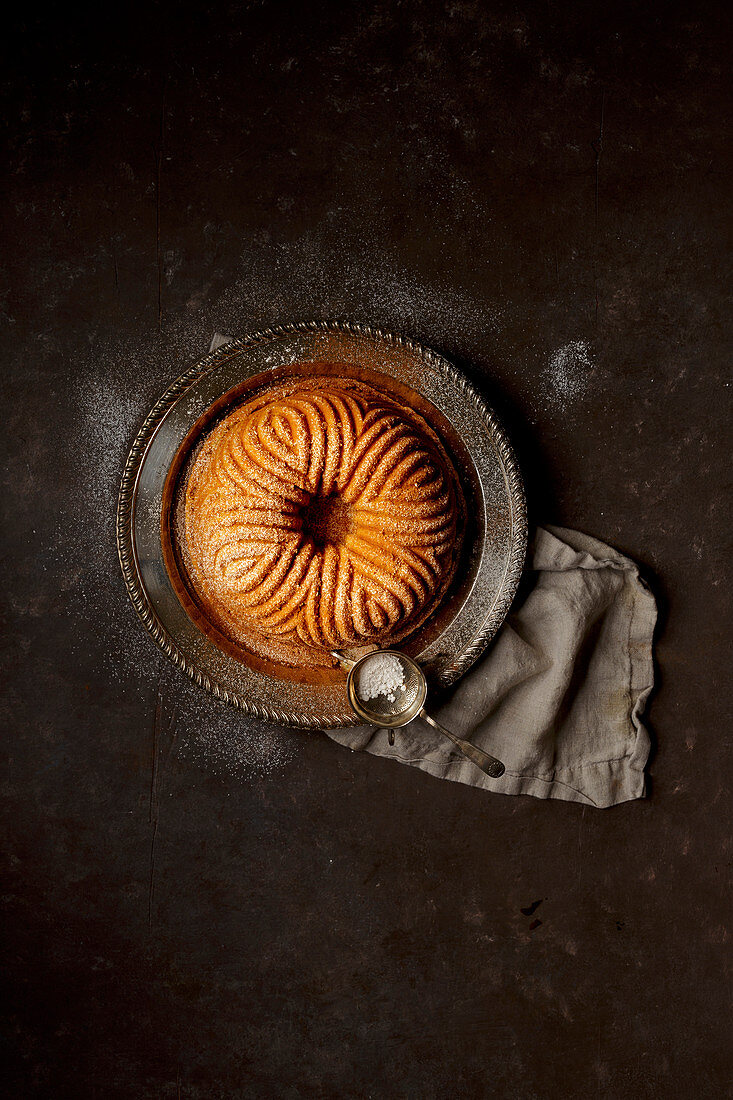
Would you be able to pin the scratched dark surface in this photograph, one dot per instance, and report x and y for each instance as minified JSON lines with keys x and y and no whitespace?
{"x":539,"y":192}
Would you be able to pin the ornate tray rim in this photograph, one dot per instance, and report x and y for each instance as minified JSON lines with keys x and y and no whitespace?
{"x":126,"y":505}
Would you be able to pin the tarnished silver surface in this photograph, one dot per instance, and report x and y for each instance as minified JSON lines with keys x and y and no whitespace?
{"x":445,"y":646}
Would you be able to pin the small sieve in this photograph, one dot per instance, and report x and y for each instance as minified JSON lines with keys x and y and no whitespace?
{"x":404,"y":704}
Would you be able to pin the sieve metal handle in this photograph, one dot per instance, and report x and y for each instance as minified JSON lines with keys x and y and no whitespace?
{"x":345,"y":661}
{"x":481,"y":759}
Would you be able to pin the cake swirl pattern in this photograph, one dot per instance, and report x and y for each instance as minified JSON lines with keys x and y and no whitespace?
{"x":323,"y":514}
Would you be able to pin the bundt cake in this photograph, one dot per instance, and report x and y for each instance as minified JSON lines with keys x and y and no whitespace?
{"x":321,"y":514}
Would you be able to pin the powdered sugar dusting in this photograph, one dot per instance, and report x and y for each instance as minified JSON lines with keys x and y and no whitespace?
{"x":568,"y":371}
{"x":106,"y":435}
{"x":370,"y":286}
{"x":381,"y":674}
{"x":219,"y":739}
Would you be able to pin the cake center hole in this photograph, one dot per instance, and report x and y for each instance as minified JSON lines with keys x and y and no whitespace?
{"x":326,"y":519}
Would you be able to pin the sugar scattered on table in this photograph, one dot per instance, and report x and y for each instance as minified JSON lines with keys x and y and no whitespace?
{"x":568,"y":371}
{"x":215,"y":737}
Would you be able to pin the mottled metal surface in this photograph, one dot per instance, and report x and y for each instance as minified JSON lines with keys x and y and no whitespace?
{"x":201,"y":906}
{"x":495,"y":539}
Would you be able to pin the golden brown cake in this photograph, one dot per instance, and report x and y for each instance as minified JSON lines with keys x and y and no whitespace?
{"x":319,"y":515}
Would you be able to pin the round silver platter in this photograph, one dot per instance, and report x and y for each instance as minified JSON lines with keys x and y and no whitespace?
{"x":448,"y":643}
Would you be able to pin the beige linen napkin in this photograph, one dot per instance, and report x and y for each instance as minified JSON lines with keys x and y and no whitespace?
{"x":559,"y":695}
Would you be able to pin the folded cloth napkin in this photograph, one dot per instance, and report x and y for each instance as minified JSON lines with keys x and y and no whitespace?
{"x":559,"y":695}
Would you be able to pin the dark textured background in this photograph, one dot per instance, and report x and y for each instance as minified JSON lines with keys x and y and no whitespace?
{"x":201,"y":907}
